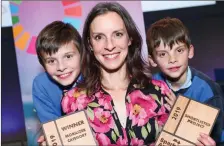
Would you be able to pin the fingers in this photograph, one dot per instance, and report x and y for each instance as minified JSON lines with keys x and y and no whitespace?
{"x":198,"y":143}
{"x":170,"y":102}
{"x":44,"y":143}
{"x":206,"y":140}
{"x":171,"y":98}
{"x":41,"y":141}
{"x":167,"y":106}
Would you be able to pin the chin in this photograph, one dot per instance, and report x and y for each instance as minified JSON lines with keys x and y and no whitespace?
{"x":65,"y":83}
{"x":173,"y":77}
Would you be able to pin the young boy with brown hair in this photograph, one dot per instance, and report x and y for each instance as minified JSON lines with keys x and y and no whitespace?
{"x":58,"y":49}
{"x":170,"y":49}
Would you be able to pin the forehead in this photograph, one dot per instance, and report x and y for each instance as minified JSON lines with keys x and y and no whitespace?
{"x":64,"y":49}
{"x":107,"y":22}
{"x":166,"y":47}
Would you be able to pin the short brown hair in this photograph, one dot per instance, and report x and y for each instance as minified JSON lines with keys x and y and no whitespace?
{"x":170,"y":31}
{"x":55,"y":35}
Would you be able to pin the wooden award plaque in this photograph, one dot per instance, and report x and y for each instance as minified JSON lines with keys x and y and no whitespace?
{"x":72,"y":129}
{"x":187,"y":119}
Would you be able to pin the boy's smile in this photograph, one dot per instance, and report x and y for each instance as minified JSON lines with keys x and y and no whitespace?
{"x":174,"y":69}
{"x":64,"y":76}
{"x":173,"y":62}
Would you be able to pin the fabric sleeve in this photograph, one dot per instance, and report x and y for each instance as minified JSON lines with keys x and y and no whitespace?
{"x":43,"y":104}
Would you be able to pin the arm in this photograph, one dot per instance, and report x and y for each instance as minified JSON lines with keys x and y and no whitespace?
{"x":216,"y":134}
{"x":43,"y":103}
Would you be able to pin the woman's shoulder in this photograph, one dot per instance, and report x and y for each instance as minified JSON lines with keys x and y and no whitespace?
{"x":157,"y":87}
{"x":75,"y":92}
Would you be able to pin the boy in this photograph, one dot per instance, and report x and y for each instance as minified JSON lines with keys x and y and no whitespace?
{"x":58,"y":49}
{"x":170,"y":47}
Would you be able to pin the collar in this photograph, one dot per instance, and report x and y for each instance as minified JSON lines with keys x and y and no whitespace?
{"x":78,"y":80}
{"x":186,"y":84}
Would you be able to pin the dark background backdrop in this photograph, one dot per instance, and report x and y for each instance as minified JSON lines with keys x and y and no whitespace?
{"x":12,"y":118}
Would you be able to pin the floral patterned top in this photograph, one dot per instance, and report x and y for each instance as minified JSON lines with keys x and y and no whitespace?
{"x":146,"y":113}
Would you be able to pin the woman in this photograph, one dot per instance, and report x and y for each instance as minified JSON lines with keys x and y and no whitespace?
{"x":123,"y":104}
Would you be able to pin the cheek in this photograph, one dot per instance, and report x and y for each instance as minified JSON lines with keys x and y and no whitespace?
{"x":75,"y":63}
{"x":123,"y":43}
{"x":162,"y":64}
{"x":97,"y":47}
{"x":50,"y":70}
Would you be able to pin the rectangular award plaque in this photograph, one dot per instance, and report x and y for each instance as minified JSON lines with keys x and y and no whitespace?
{"x":187,"y":119}
{"x":72,"y":129}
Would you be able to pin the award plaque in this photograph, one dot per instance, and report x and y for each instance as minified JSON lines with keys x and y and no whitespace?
{"x":187,"y":119}
{"x":72,"y":129}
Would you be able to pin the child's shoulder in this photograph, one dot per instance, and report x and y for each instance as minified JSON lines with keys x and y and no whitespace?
{"x":43,"y":80}
{"x":201,"y":81}
{"x":41,"y":76}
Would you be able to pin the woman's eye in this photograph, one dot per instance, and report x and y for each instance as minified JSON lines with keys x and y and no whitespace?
{"x":119,"y":34}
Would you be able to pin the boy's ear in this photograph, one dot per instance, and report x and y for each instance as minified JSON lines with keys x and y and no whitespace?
{"x":151,"y":61}
{"x":191,"y":52}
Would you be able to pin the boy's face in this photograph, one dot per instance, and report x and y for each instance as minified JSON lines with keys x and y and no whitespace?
{"x":64,"y":65}
{"x":173,"y":62}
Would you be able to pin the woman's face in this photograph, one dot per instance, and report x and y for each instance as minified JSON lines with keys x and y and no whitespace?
{"x":109,"y":40}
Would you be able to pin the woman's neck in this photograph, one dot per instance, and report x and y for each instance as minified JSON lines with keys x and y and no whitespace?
{"x":118,"y":80}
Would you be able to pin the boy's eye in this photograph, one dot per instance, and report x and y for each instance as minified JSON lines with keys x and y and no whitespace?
{"x":69,"y":56}
{"x":162,"y":54}
{"x":180,"y":50}
{"x":50,"y":61}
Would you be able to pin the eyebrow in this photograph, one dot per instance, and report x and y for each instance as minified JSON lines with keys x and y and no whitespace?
{"x":48,"y":58}
{"x":70,"y":52}
{"x":180,"y":46}
{"x":94,"y":33}
{"x":159,"y":51}
{"x":51,"y":57}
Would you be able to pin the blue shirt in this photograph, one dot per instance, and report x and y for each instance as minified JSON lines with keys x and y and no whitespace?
{"x":202,"y":89}
{"x":47,"y":95}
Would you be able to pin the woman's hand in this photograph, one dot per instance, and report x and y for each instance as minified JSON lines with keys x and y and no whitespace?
{"x":170,"y":98}
{"x":41,"y":140}
{"x":205,"y":140}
